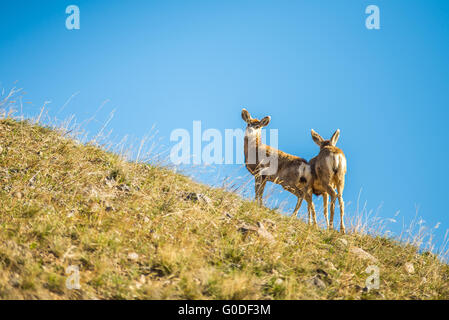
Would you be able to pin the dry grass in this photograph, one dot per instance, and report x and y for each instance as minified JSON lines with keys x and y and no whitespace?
{"x":66,"y":203}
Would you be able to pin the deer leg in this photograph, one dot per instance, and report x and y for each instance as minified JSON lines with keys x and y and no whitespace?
{"x":340,"y":188}
{"x":298,"y":204}
{"x":333,"y":196}
{"x":311,"y":208}
{"x":257,"y":187}
{"x":260,"y":186}
{"x":325,"y":209}
{"x":309,"y":212}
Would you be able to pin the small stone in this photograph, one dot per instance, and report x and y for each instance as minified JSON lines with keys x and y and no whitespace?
{"x":198,"y":197}
{"x":362,"y":254}
{"x":18,"y":195}
{"x":260,"y":230}
{"x":245,"y":228}
{"x":279,"y":282}
{"x":342,"y":241}
{"x":94,"y":207}
{"x":269,"y":222}
{"x":409,"y":267}
{"x":330,"y":265}
{"x":14,"y":281}
{"x":124,"y":187}
{"x":316,"y":282}
{"x":263,"y":232}
{"x":138,"y":285}
{"x":133,"y":256}
{"x":110,"y":182}
{"x":146,"y":219}
{"x":205,"y":199}
{"x":32,"y":180}
{"x":108,"y":206}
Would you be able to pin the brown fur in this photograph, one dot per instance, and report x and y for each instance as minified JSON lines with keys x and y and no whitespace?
{"x":293,"y":173}
{"x":328,"y":171}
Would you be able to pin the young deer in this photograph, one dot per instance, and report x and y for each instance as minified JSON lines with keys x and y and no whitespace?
{"x":328,"y":171}
{"x":291,"y":172}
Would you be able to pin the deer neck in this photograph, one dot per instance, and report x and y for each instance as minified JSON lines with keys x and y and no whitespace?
{"x":252,"y":142}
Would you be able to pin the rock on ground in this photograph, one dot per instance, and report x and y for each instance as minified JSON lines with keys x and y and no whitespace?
{"x":409,"y":267}
{"x":362,"y":254}
{"x":316,"y":282}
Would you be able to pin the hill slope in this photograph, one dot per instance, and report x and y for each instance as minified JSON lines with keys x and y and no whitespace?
{"x":139,"y":231}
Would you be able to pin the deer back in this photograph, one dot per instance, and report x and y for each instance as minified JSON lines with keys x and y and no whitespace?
{"x":328,"y":167}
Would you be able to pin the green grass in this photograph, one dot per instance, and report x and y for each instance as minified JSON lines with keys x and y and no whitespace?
{"x":64,"y":203}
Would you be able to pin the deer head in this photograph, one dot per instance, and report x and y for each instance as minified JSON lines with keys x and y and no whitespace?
{"x":254,"y":125}
{"x":324,"y":143}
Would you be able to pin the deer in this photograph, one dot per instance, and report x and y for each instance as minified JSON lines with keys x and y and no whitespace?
{"x":328,"y":172}
{"x":291,"y":172}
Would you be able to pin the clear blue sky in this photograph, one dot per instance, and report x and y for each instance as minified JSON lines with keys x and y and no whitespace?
{"x":308,"y":64}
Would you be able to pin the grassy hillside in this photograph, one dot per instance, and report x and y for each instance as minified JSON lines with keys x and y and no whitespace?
{"x":138,"y":231}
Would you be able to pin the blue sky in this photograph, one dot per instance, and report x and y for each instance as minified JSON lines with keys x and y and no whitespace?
{"x":308,"y":64}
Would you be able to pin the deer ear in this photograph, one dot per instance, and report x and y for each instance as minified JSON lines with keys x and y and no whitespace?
{"x":335,"y":137}
{"x":317,"y":138}
{"x":245,"y":115}
{"x":265,"y":121}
